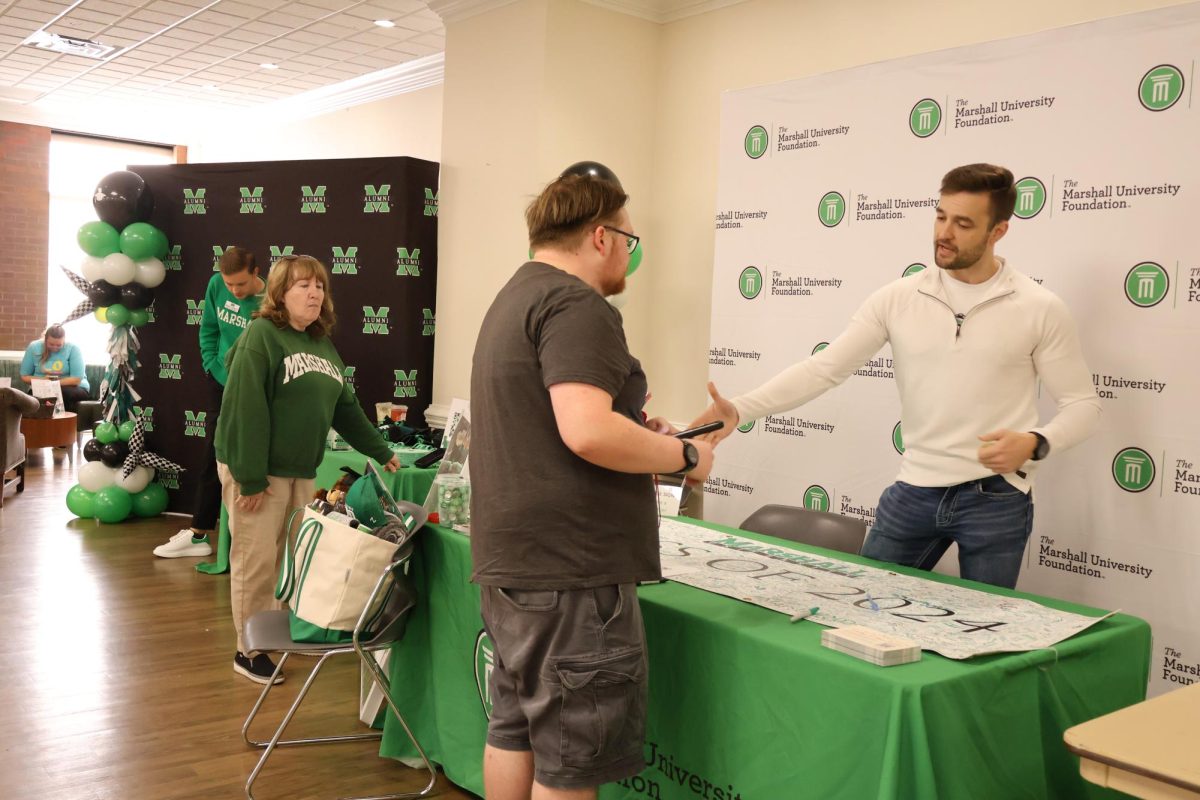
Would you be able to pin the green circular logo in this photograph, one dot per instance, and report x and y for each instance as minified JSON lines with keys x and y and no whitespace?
{"x":925,"y":118}
{"x":820,"y":346}
{"x":1161,"y":88}
{"x":898,"y":439}
{"x":485,"y":662}
{"x":1147,"y":284}
{"x":1133,"y":469}
{"x":912,"y":269}
{"x":1031,"y":198}
{"x":816,"y":498}
{"x":831,"y":209}
{"x":746,"y":427}
{"x":756,"y":141}
{"x":750,"y":283}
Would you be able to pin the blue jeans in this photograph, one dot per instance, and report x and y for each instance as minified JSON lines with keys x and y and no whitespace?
{"x":989,"y":519}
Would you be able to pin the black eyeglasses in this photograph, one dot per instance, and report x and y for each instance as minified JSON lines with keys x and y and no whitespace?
{"x":631,"y":241}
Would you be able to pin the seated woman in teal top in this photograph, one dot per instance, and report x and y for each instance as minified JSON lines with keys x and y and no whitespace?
{"x":51,"y":357}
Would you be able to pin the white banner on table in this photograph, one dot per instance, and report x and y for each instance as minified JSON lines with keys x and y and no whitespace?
{"x":952,"y":620}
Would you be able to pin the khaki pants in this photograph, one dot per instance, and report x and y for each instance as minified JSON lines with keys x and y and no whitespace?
{"x":256,"y":543}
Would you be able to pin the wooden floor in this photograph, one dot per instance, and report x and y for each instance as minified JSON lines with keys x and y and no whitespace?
{"x":116,"y":676}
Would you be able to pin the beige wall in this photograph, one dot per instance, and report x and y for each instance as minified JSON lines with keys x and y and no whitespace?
{"x":409,"y":124}
{"x":530,"y":88}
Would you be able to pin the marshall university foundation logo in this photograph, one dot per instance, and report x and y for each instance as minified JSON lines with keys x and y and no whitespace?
{"x":1031,"y":198}
{"x":756,"y":141}
{"x":485,"y":662}
{"x":1133,"y":469}
{"x":898,"y":439}
{"x":816,"y":498}
{"x":750,"y":283}
{"x":1161,"y":88}
{"x":746,"y":427}
{"x":1147,"y":284}
{"x":912,"y":269}
{"x":832,"y":209}
{"x":925,"y":118}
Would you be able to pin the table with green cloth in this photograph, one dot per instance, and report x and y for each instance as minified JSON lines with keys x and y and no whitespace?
{"x":745,"y":705}
{"x":407,"y":483}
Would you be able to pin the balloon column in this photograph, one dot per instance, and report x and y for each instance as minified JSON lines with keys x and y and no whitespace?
{"x":121,"y":267}
{"x":118,"y":477}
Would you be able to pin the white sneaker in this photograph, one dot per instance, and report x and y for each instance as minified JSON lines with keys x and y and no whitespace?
{"x":181,"y":546}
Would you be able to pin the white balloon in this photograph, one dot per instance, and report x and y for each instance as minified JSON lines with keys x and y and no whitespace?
{"x":92,"y":268}
{"x":95,"y":475}
{"x":118,"y":269}
{"x":618,"y":301}
{"x":150,"y":272}
{"x":137,"y":480}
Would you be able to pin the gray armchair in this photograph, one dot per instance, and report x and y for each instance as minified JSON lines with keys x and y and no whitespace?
{"x":14,"y":404}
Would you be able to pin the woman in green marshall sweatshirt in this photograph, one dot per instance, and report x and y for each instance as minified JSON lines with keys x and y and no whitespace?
{"x":284,"y":392}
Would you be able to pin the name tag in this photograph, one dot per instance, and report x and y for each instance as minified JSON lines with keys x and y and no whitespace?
{"x":232,"y":306}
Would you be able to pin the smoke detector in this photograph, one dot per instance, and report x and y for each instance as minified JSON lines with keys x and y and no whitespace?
{"x":68,"y":45}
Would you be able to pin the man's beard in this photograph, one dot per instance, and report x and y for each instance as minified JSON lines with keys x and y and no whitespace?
{"x":962,"y":258}
{"x":611,"y":288}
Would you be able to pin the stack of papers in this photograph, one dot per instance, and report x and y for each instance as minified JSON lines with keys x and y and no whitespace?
{"x":881,"y":649}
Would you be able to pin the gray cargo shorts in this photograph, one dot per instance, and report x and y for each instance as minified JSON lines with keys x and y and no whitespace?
{"x":569,"y":681}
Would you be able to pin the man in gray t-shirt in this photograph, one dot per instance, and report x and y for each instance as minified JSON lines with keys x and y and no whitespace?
{"x":563,"y":514}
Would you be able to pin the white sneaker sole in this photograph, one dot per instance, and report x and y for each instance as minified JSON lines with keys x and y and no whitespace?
{"x":245,"y":673}
{"x":190,"y":551}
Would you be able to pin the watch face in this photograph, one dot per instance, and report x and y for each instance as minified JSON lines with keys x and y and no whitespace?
{"x":691,"y":455}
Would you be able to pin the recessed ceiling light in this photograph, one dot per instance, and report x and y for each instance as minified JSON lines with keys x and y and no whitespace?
{"x":269,"y":65}
{"x":385,"y":23}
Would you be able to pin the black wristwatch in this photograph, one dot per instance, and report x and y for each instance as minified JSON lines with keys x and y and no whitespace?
{"x":691,"y":457}
{"x":1042,"y":449}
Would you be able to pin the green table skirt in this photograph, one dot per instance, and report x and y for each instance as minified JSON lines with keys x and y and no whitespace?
{"x":744,"y":704}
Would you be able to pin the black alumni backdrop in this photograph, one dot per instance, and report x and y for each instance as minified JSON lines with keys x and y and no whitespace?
{"x":372,"y":222}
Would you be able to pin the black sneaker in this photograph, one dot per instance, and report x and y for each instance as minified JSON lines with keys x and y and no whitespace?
{"x":258,"y":669}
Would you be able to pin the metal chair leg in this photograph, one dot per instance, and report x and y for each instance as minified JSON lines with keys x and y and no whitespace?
{"x":380,"y":680}
{"x":349,"y":737}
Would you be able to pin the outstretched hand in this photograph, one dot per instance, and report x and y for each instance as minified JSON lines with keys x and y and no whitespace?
{"x":720,"y":409}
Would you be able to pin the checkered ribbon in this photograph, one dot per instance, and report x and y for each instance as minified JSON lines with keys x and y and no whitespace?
{"x":139,"y":455}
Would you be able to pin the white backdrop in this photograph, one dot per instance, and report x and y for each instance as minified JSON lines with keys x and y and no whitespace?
{"x":825,"y":193}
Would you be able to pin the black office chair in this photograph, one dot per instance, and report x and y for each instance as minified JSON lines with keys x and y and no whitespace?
{"x":382,"y":623}
{"x":819,"y":528}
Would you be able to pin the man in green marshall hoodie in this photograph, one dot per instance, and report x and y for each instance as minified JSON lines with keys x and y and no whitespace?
{"x":233,"y":296}
{"x":285,"y":390}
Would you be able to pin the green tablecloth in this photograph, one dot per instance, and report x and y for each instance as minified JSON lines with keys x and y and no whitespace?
{"x":744,"y":704}
{"x":408,"y":483}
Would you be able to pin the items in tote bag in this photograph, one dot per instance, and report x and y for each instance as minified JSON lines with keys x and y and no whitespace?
{"x":332,"y":562}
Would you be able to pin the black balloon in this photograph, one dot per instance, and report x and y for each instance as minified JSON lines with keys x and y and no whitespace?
{"x":135,"y":296}
{"x":593,"y":168}
{"x":91,"y":450}
{"x":123,"y":198}
{"x":103,"y":294}
{"x":113,"y":454}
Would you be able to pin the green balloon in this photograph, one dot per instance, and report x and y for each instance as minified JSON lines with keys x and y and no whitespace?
{"x":635,"y":260}
{"x":81,"y":502}
{"x":151,"y":501}
{"x":161,"y":246}
{"x":106,"y":432}
{"x":125,"y":431}
{"x":118,"y":315}
{"x":112,"y":504}
{"x":98,"y":239}
{"x":139,"y":317}
{"x":139,"y":241}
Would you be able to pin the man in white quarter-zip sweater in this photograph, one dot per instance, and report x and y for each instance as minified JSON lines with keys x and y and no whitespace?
{"x":970,"y":341}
